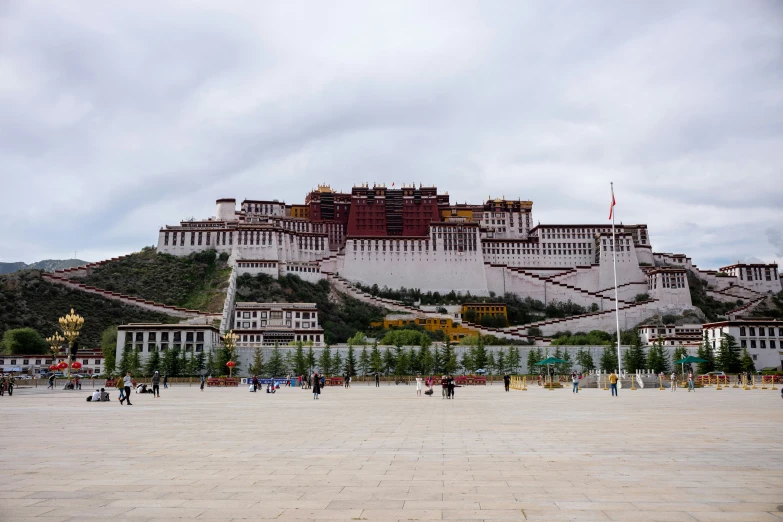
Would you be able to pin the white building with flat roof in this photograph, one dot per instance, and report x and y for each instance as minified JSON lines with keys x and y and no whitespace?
{"x":267,"y":324}
{"x":150,"y":337}
{"x":761,"y":337}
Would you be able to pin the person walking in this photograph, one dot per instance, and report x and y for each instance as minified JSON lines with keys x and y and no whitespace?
{"x":613,"y":383}
{"x":451,"y":387}
{"x":203,"y":381}
{"x":120,"y":384}
{"x":127,"y":383}
{"x":444,"y":384}
{"x":165,"y":381}
{"x":575,"y":382}
{"x":51,"y":382}
{"x":507,"y":381}
{"x":255,"y":383}
{"x":377,"y":379}
{"x":673,"y":378}
{"x":156,"y":385}
{"x":690,"y":382}
{"x":316,"y":386}
{"x":418,"y":385}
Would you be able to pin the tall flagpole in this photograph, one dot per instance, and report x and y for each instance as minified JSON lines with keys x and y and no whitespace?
{"x":616,"y":300}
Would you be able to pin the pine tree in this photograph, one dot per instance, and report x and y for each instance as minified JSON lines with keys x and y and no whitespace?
{"x":729,"y":359}
{"x":300,"y":360}
{"x":437,"y":361}
{"x":125,"y":360}
{"x":288,"y":362}
{"x":609,"y":359}
{"x":275,"y":367}
{"x":257,"y":367}
{"x":199,"y":364}
{"x":491,"y":364}
{"x":679,"y":354}
{"x":512,"y":360}
{"x":479,"y":355}
{"x":109,"y":349}
{"x":389,"y":361}
{"x":183,"y":363}
{"x":566,"y":367}
{"x":376,"y":359}
{"x":657,"y":358}
{"x":310,"y":360}
{"x":501,"y":363}
{"x":364,"y":362}
{"x":426,"y":360}
{"x":350,"y":362}
{"x":325,"y":360}
{"x":337,"y":363}
{"x":534,"y":356}
{"x":706,"y":352}
{"x":634,"y":358}
{"x":153,"y":362}
{"x":210,"y":367}
{"x":746,"y":363}
{"x":466,"y":363}
{"x":135,"y":362}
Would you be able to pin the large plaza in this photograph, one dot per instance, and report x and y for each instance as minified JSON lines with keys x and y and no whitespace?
{"x":369,"y":453}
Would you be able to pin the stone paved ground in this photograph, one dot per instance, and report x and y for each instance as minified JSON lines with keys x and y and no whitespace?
{"x":383,"y":454}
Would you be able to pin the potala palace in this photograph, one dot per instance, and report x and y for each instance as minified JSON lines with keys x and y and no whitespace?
{"x":415,"y":237}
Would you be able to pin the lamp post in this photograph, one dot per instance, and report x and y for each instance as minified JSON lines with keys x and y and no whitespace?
{"x":55,"y":342}
{"x":71,"y":324}
{"x":230,"y":343}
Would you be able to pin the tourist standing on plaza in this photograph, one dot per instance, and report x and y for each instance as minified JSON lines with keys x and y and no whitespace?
{"x":674,"y":381}
{"x":156,"y":384}
{"x":203,"y":381}
{"x":613,"y":383}
{"x":165,"y":381}
{"x":127,"y":383}
{"x":575,"y":382}
{"x":451,"y":387}
{"x":316,"y":386}
{"x":418,"y":385}
{"x":507,"y":381}
{"x":377,"y":379}
{"x":255,"y":383}
{"x":690,"y":382}
{"x":444,"y":383}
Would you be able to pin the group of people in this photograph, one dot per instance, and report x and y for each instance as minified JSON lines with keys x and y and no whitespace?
{"x":99,"y":396}
{"x":7,"y":383}
{"x":447,"y":385}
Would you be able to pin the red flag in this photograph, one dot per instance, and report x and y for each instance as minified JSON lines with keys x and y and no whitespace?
{"x":611,"y":208}
{"x":392,"y":184}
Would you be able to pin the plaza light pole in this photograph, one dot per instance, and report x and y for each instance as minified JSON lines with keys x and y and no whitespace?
{"x":230,"y":343}
{"x":55,"y":342}
{"x":71,"y":324}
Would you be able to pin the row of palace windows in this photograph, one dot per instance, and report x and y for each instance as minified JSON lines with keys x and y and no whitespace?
{"x":165,"y":336}
{"x":762,"y":331}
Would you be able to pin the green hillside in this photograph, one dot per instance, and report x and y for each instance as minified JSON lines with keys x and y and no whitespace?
{"x":196,"y":282}
{"x":26,"y":300}
{"x":340,"y":316}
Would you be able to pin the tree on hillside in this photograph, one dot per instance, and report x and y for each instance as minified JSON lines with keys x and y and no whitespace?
{"x":357,"y":339}
{"x":746,"y":363}
{"x":609,"y":359}
{"x":706,"y":352}
{"x":23,"y":341}
{"x":109,"y":349}
{"x":729,"y":359}
{"x":364,"y":361}
{"x":257,"y":366}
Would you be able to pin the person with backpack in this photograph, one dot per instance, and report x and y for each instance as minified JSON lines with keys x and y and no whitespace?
{"x":507,"y":381}
{"x":156,"y":385}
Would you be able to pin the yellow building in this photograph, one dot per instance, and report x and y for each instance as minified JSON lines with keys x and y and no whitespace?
{"x":482,"y":309}
{"x":454,"y":331}
{"x":300,"y":211}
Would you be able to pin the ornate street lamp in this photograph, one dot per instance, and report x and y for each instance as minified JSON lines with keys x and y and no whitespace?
{"x":71,"y":324}
{"x":55,"y":342}
{"x":230,"y":343}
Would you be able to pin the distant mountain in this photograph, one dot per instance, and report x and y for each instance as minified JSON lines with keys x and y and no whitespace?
{"x":47,"y":265}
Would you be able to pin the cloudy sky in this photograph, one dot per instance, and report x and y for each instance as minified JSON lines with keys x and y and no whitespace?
{"x":119,"y":117}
